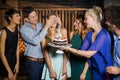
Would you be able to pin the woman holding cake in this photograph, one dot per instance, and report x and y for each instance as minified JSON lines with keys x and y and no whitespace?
{"x":78,"y":62}
{"x":57,"y":65}
{"x":96,"y":45}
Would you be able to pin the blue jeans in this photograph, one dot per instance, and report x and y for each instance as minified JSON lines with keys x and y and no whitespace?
{"x":34,"y":69}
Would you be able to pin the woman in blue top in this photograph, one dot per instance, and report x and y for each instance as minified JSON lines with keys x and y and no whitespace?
{"x":96,"y":46}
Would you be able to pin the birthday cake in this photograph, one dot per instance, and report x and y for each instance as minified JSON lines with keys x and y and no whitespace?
{"x":61,"y":41}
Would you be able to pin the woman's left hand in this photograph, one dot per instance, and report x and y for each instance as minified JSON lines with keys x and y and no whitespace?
{"x":16,"y":69}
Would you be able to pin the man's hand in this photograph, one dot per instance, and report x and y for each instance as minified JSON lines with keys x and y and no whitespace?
{"x":113,"y":70}
{"x":49,"y":23}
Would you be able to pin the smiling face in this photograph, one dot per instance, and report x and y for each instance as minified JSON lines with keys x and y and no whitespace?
{"x":32,"y":18}
{"x":88,"y":20}
{"x":54,"y":23}
{"x":15,"y":18}
{"x":77,"y":24}
{"x":93,"y":17}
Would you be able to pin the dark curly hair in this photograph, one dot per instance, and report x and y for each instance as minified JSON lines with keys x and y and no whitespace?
{"x":9,"y":14}
{"x":26,"y":11}
{"x":112,"y":14}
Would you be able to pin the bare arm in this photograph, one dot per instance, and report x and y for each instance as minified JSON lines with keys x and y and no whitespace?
{"x":47,"y":58}
{"x":85,"y":68}
{"x":87,"y":54}
{"x":65,"y":56}
{"x":16,"y":70}
{"x":2,"y":49}
{"x":64,"y":69}
{"x":83,"y":74}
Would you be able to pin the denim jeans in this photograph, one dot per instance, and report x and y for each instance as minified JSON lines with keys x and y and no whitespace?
{"x":34,"y":69}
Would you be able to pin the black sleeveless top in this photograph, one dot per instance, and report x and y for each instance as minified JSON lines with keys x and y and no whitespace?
{"x":10,"y":48}
{"x":11,"y":42}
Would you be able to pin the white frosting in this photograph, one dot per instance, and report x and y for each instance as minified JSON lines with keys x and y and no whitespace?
{"x":60,"y":39}
{"x":59,"y":51}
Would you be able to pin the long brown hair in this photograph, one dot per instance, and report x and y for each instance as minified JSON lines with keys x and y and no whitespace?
{"x":84,"y":29}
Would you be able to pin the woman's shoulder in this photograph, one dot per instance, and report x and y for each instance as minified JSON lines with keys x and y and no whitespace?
{"x":104,"y":32}
{"x":2,"y":32}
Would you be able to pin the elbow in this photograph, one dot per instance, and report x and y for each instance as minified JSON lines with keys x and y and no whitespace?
{"x":88,"y":55}
{"x":2,"y":57}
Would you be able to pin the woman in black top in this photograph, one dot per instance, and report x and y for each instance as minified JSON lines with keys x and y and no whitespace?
{"x":9,"y":47}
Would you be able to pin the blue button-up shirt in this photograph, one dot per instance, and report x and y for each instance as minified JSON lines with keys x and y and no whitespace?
{"x":32,"y":39}
{"x":117,"y":54}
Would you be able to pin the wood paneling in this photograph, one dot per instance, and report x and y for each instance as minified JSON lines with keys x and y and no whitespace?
{"x":2,"y":21}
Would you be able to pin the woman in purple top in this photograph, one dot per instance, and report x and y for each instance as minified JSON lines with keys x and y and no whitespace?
{"x":96,"y":46}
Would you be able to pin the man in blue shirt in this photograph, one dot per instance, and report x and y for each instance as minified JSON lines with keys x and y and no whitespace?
{"x":32,"y":34}
{"x":113,"y":21}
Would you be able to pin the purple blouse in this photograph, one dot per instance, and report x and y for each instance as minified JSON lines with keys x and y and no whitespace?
{"x":102,"y":44}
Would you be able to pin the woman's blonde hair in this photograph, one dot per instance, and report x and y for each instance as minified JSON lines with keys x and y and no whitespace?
{"x":95,"y":11}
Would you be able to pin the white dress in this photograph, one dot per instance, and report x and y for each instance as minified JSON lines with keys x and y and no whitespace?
{"x":57,"y":64}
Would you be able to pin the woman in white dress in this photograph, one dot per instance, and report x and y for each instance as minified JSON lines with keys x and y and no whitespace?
{"x":57,"y":64}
